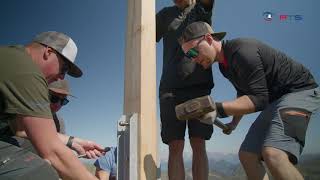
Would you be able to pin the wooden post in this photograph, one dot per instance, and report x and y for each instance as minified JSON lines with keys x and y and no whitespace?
{"x":140,"y":84}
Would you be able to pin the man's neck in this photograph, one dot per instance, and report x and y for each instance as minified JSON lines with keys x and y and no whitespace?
{"x":220,"y":53}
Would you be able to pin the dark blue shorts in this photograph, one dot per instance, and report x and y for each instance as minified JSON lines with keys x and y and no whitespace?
{"x":174,"y":129}
{"x":283,"y":124}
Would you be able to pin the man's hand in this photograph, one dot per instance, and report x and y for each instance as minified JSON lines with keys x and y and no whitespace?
{"x":231,"y":127}
{"x":90,"y":149}
{"x":208,"y":118}
{"x":43,"y":136}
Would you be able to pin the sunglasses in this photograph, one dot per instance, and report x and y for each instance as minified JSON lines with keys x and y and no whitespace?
{"x":193,"y":52}
{"x":55,"y":99}
{"x":65,"y":67}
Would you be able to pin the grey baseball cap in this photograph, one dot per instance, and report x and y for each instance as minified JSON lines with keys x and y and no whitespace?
{"x":198,"y":29}
{"x":60,"y":87}
{"x":64,"y":45}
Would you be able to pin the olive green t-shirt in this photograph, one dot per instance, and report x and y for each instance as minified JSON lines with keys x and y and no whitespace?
{"x":23,"y":88}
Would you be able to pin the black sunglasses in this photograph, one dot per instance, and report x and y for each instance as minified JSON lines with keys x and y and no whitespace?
{"x":56,"y":99}
{"x":65,"y":67}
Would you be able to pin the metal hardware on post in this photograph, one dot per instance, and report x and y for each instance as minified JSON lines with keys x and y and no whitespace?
{"x":127,"y":155}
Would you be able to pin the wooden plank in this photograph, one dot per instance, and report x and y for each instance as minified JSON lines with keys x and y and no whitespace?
{"x":140,"y":83}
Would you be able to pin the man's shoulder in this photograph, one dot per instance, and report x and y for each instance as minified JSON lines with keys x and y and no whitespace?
{"x":111,"y":154}
{"x":108,"y":160}
{"x":16,"y":57}
{"x":13,"y":50}
{"x":243,"y":41}
{"x":22,"y":84}
{"x":240,"y":44}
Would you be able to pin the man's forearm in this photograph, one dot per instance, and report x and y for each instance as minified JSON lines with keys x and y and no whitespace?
{"x":238,"y":107}
{"x":64,"y":138}
{"x":235,"y":120}
{"x":44,"y":138}
{"x":67,"y":164}
{"x":22,"y":133}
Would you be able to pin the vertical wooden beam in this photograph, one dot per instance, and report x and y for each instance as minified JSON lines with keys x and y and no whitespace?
{"x":140,"y":83}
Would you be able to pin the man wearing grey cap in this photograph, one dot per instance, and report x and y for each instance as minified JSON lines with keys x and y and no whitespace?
{"x":25,"y":72}
{"x":266,"y":80}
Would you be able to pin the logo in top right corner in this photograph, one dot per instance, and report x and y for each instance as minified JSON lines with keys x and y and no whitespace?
{"x":267,"y":16}
{"x":282,"y":17}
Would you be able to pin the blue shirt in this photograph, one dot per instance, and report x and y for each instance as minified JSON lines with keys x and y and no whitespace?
{"x":108,"y":162}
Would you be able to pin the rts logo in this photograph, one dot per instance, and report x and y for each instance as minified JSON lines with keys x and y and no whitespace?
{"x":269,"y":16}
{"x":284,"y":17}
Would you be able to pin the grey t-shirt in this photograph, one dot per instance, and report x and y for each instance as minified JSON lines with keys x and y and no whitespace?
{"x":178,"y":71}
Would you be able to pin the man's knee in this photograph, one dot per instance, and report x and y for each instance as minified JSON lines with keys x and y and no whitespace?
{"x":274,"y":156}
{"x":242,"y":156}
{"x":197,"y":143}
{"x":176,"y":147}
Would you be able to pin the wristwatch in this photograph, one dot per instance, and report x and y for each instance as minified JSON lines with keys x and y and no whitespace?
{"x":70,"y":141}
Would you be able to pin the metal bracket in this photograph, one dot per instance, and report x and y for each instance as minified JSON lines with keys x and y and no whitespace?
{"x":121,"y":123}
{"x":127,"y":155}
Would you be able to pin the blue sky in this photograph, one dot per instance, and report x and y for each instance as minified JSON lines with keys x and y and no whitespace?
{"x":99,"y":27}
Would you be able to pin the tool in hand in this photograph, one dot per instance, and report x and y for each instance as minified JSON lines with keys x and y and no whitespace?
{"x":203,"y":109}
{"x":106,"y":149}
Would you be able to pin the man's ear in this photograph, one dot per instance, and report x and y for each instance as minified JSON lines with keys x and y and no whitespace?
{"x":47,"y":52}
{"x":209,"y":39}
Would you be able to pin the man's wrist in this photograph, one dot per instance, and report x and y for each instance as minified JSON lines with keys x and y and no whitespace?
{"x":220,"y":111}
{"x":70,"y":141}
{"x":233,"y":124}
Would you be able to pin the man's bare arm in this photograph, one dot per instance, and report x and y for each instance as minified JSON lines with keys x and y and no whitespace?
{"x":44,"y":138}
{"x":81,"y":146}
{"x":91,"y":149}
{"x":238,"y":107}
